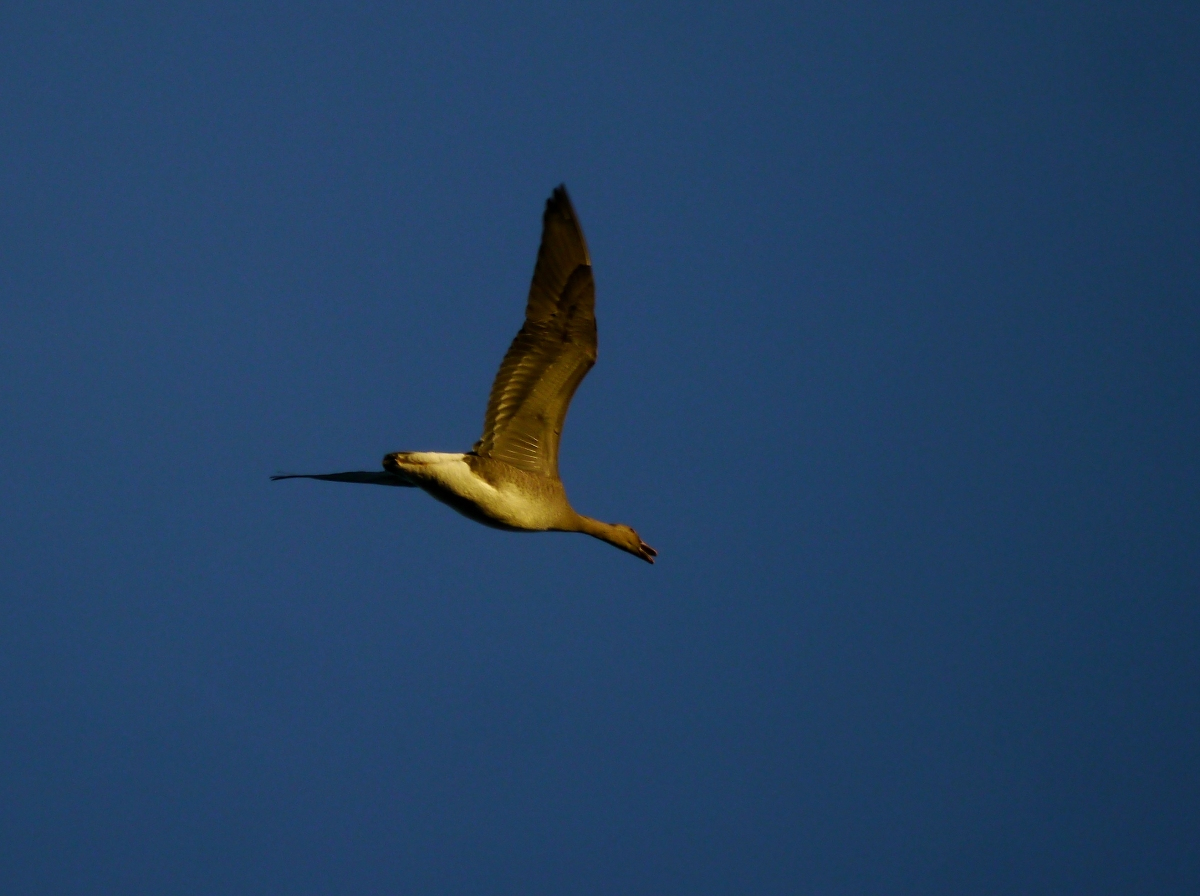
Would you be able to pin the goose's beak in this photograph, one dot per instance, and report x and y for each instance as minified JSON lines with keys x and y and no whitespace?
{"x":646,"y":552}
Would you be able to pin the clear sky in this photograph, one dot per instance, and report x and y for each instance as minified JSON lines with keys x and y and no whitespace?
{"x":899,"y":311}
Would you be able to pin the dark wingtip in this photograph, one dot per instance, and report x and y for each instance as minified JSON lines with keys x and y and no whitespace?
{"x":560,"y":202}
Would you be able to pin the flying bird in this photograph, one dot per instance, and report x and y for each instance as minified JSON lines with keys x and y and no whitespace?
{"x":509,"y":480}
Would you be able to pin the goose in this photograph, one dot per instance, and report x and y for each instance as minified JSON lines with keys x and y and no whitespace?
{"x":509,"y":479}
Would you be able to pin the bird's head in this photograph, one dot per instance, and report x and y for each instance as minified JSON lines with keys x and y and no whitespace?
{"x":627,"y":539}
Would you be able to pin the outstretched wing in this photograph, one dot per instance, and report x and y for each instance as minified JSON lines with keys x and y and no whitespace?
{"x":367,"y":477}
{"x":551,"y":355}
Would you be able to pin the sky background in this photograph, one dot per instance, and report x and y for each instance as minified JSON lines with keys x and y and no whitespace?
{"x":899,"y":311}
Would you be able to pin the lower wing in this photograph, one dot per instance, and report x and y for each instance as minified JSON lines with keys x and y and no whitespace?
{"x":366,"y":477}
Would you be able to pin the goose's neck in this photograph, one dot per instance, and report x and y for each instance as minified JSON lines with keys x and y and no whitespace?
{"x":598,"y":529}
{"x":617,"y":535}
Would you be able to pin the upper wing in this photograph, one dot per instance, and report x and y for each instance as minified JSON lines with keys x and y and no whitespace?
{"x":551,"y":355}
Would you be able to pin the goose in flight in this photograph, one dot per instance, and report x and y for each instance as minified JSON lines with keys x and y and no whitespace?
{"x":509,"y":480}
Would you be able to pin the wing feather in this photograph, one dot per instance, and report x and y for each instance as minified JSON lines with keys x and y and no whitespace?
{"x":367,"y":477}
{"x":551,"y":354}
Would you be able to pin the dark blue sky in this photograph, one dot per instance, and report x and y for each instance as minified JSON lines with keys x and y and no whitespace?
{"x":899,"y":312}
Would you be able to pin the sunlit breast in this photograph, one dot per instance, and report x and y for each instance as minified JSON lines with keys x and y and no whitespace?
{"x":449,"y":478}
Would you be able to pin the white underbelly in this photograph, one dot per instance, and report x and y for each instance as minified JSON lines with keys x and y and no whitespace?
{"x":448,"y":478}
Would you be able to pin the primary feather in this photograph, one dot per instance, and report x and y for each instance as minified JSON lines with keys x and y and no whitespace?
{"x":551,"y":354}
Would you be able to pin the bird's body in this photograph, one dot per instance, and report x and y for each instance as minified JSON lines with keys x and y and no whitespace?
{"x":509,"y":480}
{"x":489,"y":491}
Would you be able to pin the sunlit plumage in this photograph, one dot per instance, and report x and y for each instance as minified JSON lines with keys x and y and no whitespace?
{"x":510,"y":480}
